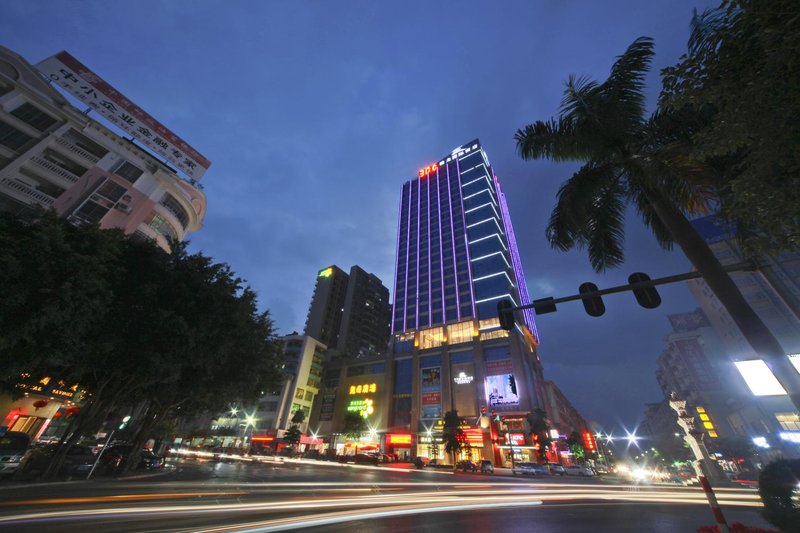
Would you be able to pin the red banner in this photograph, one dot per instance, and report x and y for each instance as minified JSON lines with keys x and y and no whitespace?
{"x":431,"y":398}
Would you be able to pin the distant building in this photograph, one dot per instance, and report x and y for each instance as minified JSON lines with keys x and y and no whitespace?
{"x":327,"y":306}
{"x":350,"y":313}
{"x":54,"y":156}
{"x":697,"y":365}
{"x":563,"y":416}
{"x":364,"y":331}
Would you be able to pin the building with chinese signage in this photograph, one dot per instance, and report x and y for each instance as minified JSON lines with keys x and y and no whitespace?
{"x":456,"y":257}
{"x":56,"y":156}
{"x":40,"y":405}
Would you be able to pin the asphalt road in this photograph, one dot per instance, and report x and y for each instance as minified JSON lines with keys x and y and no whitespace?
{"x":237,"y":497}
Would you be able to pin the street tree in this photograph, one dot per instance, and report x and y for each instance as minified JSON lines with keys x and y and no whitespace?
{"x":629,"y":158}
{"x":452,"y":434}
{"x":292,"y":436}
{"x":299,"y":417}
{"x":539,"y":427}
{"x":353,"y":427}
{"x":741,"y":71}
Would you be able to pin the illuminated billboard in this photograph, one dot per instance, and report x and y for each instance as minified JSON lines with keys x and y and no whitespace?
{"x":759,"y":378}
{"x":501,"y":390}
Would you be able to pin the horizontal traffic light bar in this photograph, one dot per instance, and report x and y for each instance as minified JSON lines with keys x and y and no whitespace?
{"x":548,"y":305}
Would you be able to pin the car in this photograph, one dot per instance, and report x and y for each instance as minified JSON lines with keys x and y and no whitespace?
{"x":533,"y":469}
{"x":556,"y":469}
{"x":578,"y":470}
{"x":13,"y":447}
{"x":421,"y":462}
{"x":486,"y":466}
{"x":466,"y":466}
{"x":366,"y":458}
{"x":78,"y":460}
{"x":113,"y":458}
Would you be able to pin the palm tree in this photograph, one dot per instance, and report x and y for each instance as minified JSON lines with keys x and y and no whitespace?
{"x":630,"y":158}
{"x":353,"y":427}
{"x":452,"y":434}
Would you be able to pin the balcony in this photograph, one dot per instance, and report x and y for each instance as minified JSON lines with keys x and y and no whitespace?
{"x":68,"y":177}
{"x":73,"y":149}
{"x":28,"y":193}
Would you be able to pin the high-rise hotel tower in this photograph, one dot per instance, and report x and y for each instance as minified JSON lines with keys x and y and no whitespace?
{"x":456,"y":259}
{"x":456,"y":251}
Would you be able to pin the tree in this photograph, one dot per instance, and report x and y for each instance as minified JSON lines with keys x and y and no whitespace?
{"x":177,"y":333}
{"x":292,"y":436}
{"x":299,"y":417}
{"x":353,"y":427}
{"x":741,"y":69}
{"x":539,"y":427}
{"x":452,"y":434}
{"x":632,"y":159}
{"x":575,"y":443}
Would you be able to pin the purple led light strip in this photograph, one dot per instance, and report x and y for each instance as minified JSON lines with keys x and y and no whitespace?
{"x":419,"y":206}
{"x":408,"y":253}
{"x":466,"y":241}
{"x":453,"y":241}
{"x":397,"y":259}
{"x":522,"y":287}
{"x":441,"y":237}
{"x":430,"y":287}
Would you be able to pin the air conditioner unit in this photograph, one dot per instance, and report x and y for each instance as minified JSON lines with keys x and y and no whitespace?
{"x":125,"y":208}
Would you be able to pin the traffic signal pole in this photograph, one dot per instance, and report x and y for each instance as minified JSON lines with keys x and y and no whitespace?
{"x":547,"y":305}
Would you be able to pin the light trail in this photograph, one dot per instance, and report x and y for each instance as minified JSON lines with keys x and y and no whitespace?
{"x":457,"y":497}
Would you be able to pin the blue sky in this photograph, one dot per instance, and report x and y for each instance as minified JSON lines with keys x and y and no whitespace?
{"x":314,"y":113}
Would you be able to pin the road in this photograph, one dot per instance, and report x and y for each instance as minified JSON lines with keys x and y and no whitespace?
{"x":248,"y":497}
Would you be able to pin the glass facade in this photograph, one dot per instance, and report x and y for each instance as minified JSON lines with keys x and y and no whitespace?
{"x":456,"y":251}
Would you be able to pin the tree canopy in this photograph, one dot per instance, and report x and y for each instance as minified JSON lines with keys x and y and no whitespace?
{"x":128,"y":321}
{"x":742,"y":75}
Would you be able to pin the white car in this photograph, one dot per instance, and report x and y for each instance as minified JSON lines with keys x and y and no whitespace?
{"x":532,"y":469}
{"x":578,"y":470}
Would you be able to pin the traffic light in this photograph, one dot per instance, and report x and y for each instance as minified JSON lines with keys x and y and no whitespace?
{"x":125,"y":422}
{"x":594,"y":306}
{"x":647,"y":297}
{"x":505,"y":312}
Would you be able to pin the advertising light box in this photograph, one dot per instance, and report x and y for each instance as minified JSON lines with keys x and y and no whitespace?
{"x":501,"y":390}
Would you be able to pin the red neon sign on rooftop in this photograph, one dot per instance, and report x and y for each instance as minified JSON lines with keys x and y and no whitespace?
{"x":423,"y":172}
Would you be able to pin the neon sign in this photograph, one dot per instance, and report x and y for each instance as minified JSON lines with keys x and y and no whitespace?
{"x":364,"y":407}
{"x":363,"y":389}
{"x":423,"y":172}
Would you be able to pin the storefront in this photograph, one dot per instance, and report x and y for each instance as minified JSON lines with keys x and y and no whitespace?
{"x":399,"y":444}
{"x":430,"y":445}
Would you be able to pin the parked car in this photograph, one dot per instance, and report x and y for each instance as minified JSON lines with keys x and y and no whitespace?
{"x":421,"y":462}
{"x":78,"y":461}
{"x":556,"y":469}
{"x":466,"y":466}
{"x":532,"y":469}
{"x":486,"y":466}
{"x":579,"y":470}
{"x":115,"y":456}
{"x":366,"y":458}
{"x":13,"y":446}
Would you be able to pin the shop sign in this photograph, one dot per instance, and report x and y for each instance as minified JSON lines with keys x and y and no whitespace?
{"x":366,"y":388}
{"x":429,"y":398}
{"x":363,"y":406}
{"x":517,"y":439}
{"x":432,"y":439}
{"x":398,"y":439}
{"x":463,"y":379}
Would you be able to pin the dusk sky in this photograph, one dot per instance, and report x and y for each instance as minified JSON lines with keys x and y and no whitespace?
{"x":314,"y":113}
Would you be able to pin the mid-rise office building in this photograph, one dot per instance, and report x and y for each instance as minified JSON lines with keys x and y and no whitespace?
{"x":55,"y":156}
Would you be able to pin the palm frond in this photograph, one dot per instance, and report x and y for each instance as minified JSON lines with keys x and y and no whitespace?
{"x":570,"y":220}
{"x":552,"y":140}
{"x":580,"y":99}
{"x":624,"y":88}
{"x":650,"y":218}
{"x":606,"y":231}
